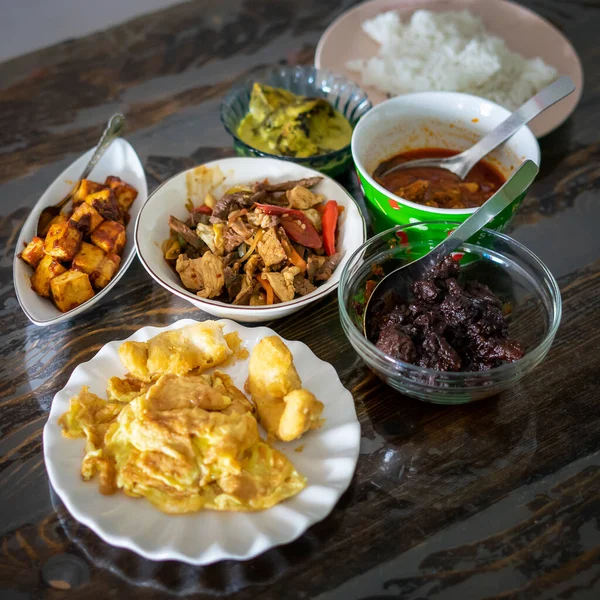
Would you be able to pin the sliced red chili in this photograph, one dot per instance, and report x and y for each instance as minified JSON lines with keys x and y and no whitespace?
{"x":296,"y":224}
{"x":330,"y":218}
{"x":205,"y":210}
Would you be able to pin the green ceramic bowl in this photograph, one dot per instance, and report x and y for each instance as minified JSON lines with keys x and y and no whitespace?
{"x":432,"y":120}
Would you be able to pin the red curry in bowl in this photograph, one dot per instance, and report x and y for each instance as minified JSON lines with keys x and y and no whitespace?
{"x":438,"y":188}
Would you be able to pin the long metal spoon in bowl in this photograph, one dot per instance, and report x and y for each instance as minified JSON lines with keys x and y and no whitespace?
{"x":400,"y":280}
{"x":113,"y":130}
{"x":462,"y":163}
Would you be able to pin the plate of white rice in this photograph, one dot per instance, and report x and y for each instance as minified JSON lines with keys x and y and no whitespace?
{"x":493,"y":49}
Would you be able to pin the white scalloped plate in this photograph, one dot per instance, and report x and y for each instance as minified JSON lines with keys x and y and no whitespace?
{"x":328,"y":460}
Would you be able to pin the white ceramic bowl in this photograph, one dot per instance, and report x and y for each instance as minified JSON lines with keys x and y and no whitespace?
{"x":152,"y":227}
{"x":121,"y":160}
{"x":435,"y":120}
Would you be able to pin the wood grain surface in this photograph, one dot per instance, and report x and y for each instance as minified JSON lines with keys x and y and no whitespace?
{"x":494,"y":500}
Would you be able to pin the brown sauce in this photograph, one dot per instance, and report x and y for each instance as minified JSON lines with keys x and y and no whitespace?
{"x":438,"y":188}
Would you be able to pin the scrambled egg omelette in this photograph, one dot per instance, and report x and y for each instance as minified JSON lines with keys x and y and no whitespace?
{"x":285,"y":409}
{"x":182,"y":438}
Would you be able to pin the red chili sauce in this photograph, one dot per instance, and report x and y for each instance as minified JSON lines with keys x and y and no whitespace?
{"x":435,"y":187}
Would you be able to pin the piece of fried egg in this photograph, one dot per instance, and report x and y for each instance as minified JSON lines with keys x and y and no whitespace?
{"x":200,"y":346}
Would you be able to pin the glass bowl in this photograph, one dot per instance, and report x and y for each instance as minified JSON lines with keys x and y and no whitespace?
{"x":344,"y":95}
{"x":516,"y":275}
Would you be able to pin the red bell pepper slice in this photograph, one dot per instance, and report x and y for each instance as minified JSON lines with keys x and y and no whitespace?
{"x":203,"y":209}
{"x":330,"y":218}
{"x":296,"y":224}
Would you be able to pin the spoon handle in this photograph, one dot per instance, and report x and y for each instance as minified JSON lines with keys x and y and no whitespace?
{"x":551,"y":94}
{"x":112,"y":131}
{"x":513,"y":188}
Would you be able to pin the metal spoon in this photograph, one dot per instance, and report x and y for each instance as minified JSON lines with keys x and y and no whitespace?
{"x":462,"y":163}
{"x":112,"y":131}
{"x":400,"y":280}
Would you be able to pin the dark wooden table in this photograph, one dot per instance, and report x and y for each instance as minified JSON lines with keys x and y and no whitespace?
{"x":495,"y":500}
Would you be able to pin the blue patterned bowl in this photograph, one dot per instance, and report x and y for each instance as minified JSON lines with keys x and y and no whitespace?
{"x":342,"y":94}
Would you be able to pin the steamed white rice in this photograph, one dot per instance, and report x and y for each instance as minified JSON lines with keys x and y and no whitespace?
{"x":448,"y":51}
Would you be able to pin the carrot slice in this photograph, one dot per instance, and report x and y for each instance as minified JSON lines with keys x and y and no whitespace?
{"x":265,"y":283}
{"x":293,"y":256}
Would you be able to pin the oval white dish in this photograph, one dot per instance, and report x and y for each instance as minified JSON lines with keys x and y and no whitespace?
{"x":152,"y":228}
{"x":328,"y":459}
{"x":121,"y":160}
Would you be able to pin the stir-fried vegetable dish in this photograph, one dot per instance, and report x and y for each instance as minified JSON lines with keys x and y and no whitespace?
{"x":257,"y":245}
{"x":279,"y":122}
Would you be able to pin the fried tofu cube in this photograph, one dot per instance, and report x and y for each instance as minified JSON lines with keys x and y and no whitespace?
{"x":88,"y":258}
{"x":125,"y":194}
{"x":70,"y":290}
{"x":105,"y":203}
{"x":110,"y":236}
{"x":33,"y":252}
{"x":86,"y":218}
{"x":96,"y":263}
{"x":47,"y":269}
{"x":86,"y":187}
{"x":112,"y":181}
{"x":105,"y":271}
{"x":60,"y":218}
{"x":63,"y":241}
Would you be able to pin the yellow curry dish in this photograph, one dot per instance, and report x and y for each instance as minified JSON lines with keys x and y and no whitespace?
{"x":177,"y":431}
{"x":282,"y":123}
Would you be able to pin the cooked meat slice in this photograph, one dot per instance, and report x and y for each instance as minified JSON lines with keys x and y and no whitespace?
{"x":232,"y":202}
{"x":283,"y":282}
{"x":303,"y":286}
{"x":289,"y":274}
{"x":230,"y":275}
{"x":302,"y":198}
{"x":313,"y":264}
{"x":448,"y":198}
{"x":229,"y":259}
{"x":228,"y":203}
{"x":246,"y":288}
{"x":303,"y":251}
{"x":270,"y":248}
{"x":328,"y":267}
{"x":260,"y":219}
{"x":213,"y":275}
{"x":190,"y":272}
{"x":283,"y":288}
{"x":287,"y":185}
{"x":232,"y":239}
{"x":233,"y":282}
{"x":415,"y":191}
{"x":243,"y":230}
{"x":185,"y":232}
